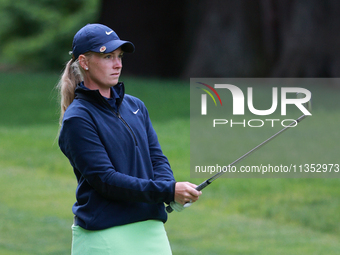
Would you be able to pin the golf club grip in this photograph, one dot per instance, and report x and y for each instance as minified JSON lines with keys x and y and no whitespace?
{"x":169,"y":209}
{"x":202,"y":185}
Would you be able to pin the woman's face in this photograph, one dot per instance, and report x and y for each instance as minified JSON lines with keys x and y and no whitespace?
{"x":103,"y":69}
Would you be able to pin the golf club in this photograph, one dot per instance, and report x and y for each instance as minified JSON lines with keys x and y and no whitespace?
{"x":207,"y":182}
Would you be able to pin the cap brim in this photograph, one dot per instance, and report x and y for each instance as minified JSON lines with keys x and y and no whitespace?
{"x":110,"y":46}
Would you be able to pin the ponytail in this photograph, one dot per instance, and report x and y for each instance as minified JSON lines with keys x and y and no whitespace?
{"x":71,"y":76}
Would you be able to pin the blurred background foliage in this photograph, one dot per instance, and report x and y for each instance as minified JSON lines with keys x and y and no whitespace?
{"x":189,"y":38}
{"x":38,"y":34}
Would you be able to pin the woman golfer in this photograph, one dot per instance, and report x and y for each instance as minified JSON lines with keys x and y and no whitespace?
{"x":123,"y":177}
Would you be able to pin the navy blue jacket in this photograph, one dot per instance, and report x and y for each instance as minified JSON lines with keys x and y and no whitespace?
{"x":122,"y":174}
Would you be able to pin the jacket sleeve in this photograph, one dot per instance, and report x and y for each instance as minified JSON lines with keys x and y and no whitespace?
{"x":80,"y":142}
{"x":160,"y":163}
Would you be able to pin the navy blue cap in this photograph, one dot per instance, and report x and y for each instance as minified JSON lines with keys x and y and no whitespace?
{"x":98,"y":38}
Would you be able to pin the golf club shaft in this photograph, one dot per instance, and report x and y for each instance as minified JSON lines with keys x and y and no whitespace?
{"x":210,"y":180}
{"x":213,"y":178}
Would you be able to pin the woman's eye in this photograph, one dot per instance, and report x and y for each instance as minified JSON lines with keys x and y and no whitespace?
{"x":121,"y":56}
{"x":108,"y":56}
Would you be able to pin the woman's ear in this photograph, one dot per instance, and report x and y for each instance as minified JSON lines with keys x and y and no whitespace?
{"x":83,"y":61}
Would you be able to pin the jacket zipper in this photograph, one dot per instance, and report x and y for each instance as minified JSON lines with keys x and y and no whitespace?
{"x":128,"y":127}
{"x":117,"y":114}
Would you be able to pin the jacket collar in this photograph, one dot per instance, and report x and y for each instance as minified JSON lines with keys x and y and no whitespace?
{"x":95,"y":96}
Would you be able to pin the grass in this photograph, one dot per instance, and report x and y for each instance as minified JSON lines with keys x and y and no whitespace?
{"x":234,"y":216}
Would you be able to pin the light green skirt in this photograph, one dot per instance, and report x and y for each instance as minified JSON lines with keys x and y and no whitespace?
{"x":145,"y":237}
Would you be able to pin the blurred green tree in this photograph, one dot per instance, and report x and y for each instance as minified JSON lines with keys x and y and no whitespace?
{"x":38,"y":34}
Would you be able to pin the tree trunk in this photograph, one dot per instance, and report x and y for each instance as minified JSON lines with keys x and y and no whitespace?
{"x":309,"y":38}
{"x":234,"y":38}
{"x":228,"y":41}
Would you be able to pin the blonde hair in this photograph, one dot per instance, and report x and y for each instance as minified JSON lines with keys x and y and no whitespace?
{"x":72,"y":75}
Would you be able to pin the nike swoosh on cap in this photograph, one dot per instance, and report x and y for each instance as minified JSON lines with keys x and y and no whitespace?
{"x":108,"y":33}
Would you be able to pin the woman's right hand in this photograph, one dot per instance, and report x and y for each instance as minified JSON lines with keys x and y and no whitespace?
{"x":185,"y":192}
